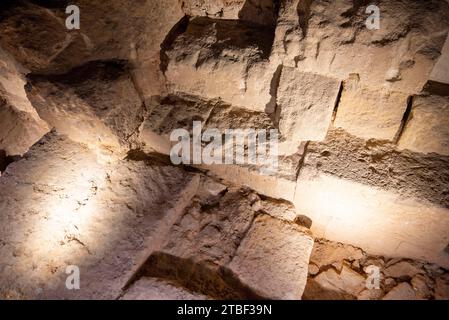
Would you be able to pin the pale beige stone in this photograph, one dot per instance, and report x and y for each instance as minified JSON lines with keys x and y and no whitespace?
{"x":321,"y":37}
{"x":59,"y":207}
{"x":427,"y":130}
{"x":306,"y":102}
{"x":222,"y":59}
{"x":273,"y":258}
{"x":373,"y":294}
{"x":156,"y":289}
{"x":402,"y":291}
{"x":347,"y":282}
{"x":440,"y":72}
{"x":402,"y":269}
{"x":373,"y":219}
{"x":370,"y":113}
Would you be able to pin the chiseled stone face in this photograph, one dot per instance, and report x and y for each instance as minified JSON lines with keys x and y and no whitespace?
{"x":370,"y":113}
{"x":280,"y":252}
{"x":427,"y":131}
{"x":360,"y":184}
{"x":306,"y":102}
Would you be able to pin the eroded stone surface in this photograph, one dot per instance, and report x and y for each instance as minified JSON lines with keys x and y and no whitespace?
{"x":20,"y":125}
{"x":156,"y":289}
{"x":332,"y":39}
{"x":427,"y":130}
{"x":370,"y":113}
{"x":68,"y":209}
{"x":280,"y":252}
{"x":306,"y":102}
{"x":222,"y":59}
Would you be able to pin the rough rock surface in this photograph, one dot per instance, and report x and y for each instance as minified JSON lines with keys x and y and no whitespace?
{"x":306,"y":103}
{"x":362,"y":116}
{"x":345,"y":272}
{"x":156,"y":289}
{"x":217,"y":243}
{"x":222,"y":59}
{"x":428,"y":114}
{"x":20,"y":125}
{"x":369,"y":113}
{"x":96,"y":103}
{"x":68,"y":209}
{"x":332,"y":40}
{"x":370,"y":188}
{"x":280,"y":252}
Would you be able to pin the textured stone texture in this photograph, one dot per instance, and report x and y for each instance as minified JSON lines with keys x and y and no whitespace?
{"x":104,"y":195}
{"x":68,"y":209}
{"x":370,"y":189}
{"x":95,"y":104}
{"x":20,"y":125}
{"x":370,"y":113}
{"x":306,"y":102}
{"x":222,"y":59}
{"x":218,"y":242}
{"x":345,"y":272}
{"x":280,"y":252}
{"x":402,"y":291}
{"x":429,"y":115}
{"x":262,"y":12}
{"x":332,"y":40}
{"x":156,"y":289}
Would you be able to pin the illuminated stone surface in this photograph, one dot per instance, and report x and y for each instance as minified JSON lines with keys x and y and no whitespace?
{"x":427,"y":130}
{"x":358,"y":163}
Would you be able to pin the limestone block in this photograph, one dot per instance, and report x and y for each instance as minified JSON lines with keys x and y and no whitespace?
{"x":347,"y":283}
{"x":369,"y":113}
{"x":402,"y":291}
{"x":96,"y":103}
{"x":273,"y":258}
{"x":306,"y":103}
{"x":262,"y":12}
{"x":156,"y":289}
{"x":427,"y":130}
{"x":20,"y":125}
{"x":59,"y":207}
{"x":322,"y":37}
{"x":368,"y":194}
{"x":222,"y":59}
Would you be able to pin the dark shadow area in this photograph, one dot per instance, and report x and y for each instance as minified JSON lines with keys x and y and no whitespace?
{"x":227,"y":34}
{"x":263,"y":12}
{"x":437,"y":88}
{"x":177,"y":29}
{"x":202,"y":277}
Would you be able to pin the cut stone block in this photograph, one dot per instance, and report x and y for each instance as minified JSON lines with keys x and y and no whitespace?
{"x":171,"y":114}
{"x":402,"y":291}
{"x":217,"y":243}
{"x":96,"y":103}
{"x":273,"y":258}
{"x":322,"y":37}
{"x":222,"y":59}
{"x":257,"y":11}
{"x":370,"y":114}
{"x":179,"y":113}
{"x":347,"y":283}
{"x":306,"y":103}
{"x":156,"y":289}
{"x":440,"y":73}
{"x":427,"y":130}
{"x":368,"y":194}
